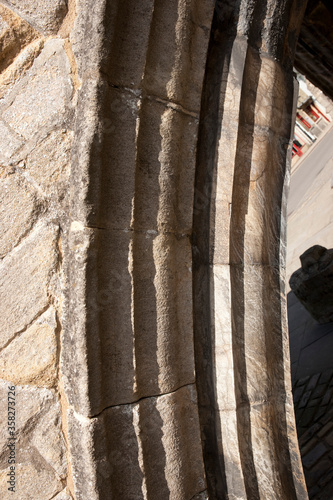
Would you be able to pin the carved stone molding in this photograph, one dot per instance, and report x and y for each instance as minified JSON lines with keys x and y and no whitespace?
{"x":175,"y":355}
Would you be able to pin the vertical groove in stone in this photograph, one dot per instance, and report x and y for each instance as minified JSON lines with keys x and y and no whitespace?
{"x":130,"y":331}
{"x":241,"y":184}
{"x":217,"y":67}
{"x":256,"y":174}
{"x":130,"y":337}
{"x":255,"y":233}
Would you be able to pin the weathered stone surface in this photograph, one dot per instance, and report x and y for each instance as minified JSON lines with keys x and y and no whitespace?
{"x":63,"y":495}
{"x":24,"y":289}
{"x":49,"y":163}
{"x":312,"y":284}
{"x":141,"y":151}
{"x":36,"y":481}
{"x":15,"y":34}
{"x":32,"y":401}
{"x":165,"y":166}
{"x":201,"y":496}
{"x":19,"y":66}
{"x":45,"y":17}
{"x":239,"y":330}
{"x":174,"y":69}
{"x":125,"y":299}
{"x":138,"y":153}
{"x":41,"y":98}
{"x":39,"y":446}
{"x":31,"y":357}
{"x":10,"y":142}
{"x":139,"y":450}
{"x":19,"y":208}
{"x":48,"y":439}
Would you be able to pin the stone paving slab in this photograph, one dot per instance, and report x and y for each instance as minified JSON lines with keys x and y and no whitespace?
{"x":313,"y":402}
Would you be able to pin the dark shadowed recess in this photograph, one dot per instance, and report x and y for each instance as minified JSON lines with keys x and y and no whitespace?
{"x":223,"y":33}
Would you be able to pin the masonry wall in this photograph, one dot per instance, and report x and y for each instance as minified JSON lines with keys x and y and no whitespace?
{"x":37,"y":104}
{"x":144,"y":153}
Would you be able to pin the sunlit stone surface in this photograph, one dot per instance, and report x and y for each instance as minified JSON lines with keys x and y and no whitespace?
{"x":144,"y":151}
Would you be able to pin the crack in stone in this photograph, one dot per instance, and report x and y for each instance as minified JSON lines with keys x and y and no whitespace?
{"x":173,"y":105}
{"x":199,"y":493}
{"x":151,"y":232}
{"x":140,"y":94}
{"x":141,"y":399}
{"x":17,"y":334}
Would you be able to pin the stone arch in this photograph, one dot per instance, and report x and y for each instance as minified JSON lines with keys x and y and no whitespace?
{"x":175,"y":355}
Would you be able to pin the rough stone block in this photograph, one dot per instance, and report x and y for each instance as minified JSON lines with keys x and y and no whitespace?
{"x":139,"y":155}
{"x":19,"y":66}
{"x":49,"y":163}
{"x":10,"y":142}
{"x":41,"y":98}
{"x":260,"y":445}
{"x":258,"y":337}
{"x":266,"y":93}
{"x":40,"y":449}
{"x":19,"y":208}
{"x":31,"y":357}
{"x":162,"y":282}
{"x":255,"y":210}
{"x":127,"y":63}
{"x":114,"y":186}
{"x":47,"y":438}
{"x":46,"y":16}
{"x":15,"y":34}
{"x":24,"y":278}
{"x":36,"y":480}
{"x":63,"y":495}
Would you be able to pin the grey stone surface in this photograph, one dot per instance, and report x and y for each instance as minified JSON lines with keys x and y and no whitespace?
{"x":130,"y":355}
{"x":19,"y":209}
{"x":49,"y":163}
{"x":11,"y":141}
{"x":24,"y":290}
{"x":48,"y":439}
{"x":31,"y":357}
{"x":39,"y":446}
{"x":148,"y":449}
{"x":63,"y":495}
{"x":19,"y":66}
{"x":46,"y":16}
{"x":40,"y":99}
{"x":15,"y":34}
{"x":126,"y":369}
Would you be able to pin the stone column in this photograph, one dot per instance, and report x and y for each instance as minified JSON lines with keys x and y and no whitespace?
{"x":129,"y":355}
{"x":240,"y":329}
{"x":151,"y":299}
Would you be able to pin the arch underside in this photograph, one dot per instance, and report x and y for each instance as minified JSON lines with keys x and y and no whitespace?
{"x":175,"y":358}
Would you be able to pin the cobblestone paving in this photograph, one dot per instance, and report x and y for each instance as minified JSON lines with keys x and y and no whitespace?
{"x":313,"y":403}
